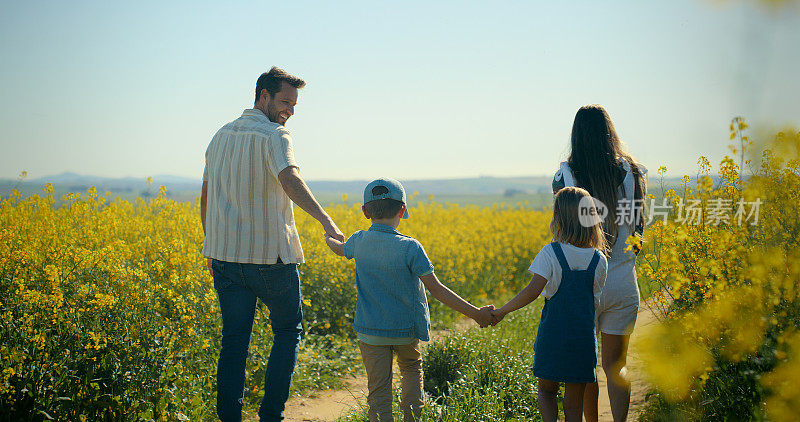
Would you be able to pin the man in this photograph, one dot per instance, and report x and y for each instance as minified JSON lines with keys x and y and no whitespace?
{"x":253,"y":249}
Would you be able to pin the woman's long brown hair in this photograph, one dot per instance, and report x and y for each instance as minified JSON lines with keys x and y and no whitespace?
{"x":595,"y":148}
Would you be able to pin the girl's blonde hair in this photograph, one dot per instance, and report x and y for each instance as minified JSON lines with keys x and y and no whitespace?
{"x":567,"y":226}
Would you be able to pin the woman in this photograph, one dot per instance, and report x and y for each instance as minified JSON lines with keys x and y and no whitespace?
{"x":599,"y":164}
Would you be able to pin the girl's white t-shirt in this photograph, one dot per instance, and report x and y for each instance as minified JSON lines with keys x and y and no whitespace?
{"x":546,"y":265}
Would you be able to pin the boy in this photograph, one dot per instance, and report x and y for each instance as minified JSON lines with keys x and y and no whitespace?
{"x":391,"y":306}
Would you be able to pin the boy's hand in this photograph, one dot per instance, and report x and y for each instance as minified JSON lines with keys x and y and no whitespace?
{"x":484,"y":316}
{"x":335,"y":245}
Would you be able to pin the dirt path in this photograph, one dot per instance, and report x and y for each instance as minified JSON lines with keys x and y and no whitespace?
{"x":330,"y":405}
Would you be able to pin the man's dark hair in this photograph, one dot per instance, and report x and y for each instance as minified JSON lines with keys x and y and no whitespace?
{"x":382,"y":208}
{"x":271,"y":81}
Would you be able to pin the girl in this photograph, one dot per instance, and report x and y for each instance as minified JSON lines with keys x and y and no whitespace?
{"x":569,"y":273}
{"x":598,"y":163}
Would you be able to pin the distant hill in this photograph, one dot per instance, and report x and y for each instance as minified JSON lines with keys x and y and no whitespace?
{"x":469,"y":186}
{"x":535,"y":190}
{"x":178,"y":188}
{"x":70,"y":178}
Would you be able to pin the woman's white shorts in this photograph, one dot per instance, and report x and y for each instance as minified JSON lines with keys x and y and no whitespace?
{"x":619,"y":301}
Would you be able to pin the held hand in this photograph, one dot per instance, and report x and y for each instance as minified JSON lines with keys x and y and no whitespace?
{"x":334,"y":245}
{"x":208,"y":265}
{"x":330,"y":241}
{"x":497,"y":316}
{"x":484,"y":317}
{"x":333,"y":231}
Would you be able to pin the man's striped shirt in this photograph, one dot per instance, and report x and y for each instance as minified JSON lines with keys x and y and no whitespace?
{"x":249,"y":217}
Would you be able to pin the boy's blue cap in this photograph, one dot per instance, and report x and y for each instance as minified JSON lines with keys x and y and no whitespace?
{"x":394,"y":188}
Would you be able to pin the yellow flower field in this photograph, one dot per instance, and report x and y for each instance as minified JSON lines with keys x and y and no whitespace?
{"x":107,"y":309}
{"x":728,"y":295}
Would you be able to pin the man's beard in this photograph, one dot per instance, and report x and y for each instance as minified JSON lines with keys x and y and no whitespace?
{"x":272,"y":114}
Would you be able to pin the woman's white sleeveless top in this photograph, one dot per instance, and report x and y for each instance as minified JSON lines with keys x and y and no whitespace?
{"x":621,"y":286}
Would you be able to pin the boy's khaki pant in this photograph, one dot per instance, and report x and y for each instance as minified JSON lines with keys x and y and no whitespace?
{"x":378,"y":361}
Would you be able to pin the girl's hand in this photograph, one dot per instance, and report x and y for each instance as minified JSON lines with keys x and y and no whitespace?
{"x":484,"y":317}
{"x":497,"y":315}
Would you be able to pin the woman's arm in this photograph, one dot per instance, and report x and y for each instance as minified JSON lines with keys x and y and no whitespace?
{"x":558,"y":183}
{"x":526,"y":296}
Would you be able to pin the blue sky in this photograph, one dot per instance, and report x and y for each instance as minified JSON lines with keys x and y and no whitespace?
{"x":412,"y":90}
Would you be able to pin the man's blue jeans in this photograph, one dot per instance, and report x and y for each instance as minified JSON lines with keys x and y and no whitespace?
{"x":238,"y":287}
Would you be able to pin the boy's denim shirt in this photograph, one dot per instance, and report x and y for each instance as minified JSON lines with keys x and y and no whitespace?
{"x":391,"y":299}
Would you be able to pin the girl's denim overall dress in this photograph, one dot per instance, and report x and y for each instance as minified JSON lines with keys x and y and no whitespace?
{"x":566,"y":342}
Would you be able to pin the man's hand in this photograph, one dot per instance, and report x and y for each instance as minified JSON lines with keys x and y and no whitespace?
{"x":333,"y":231}
{"x":208,"y":265}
